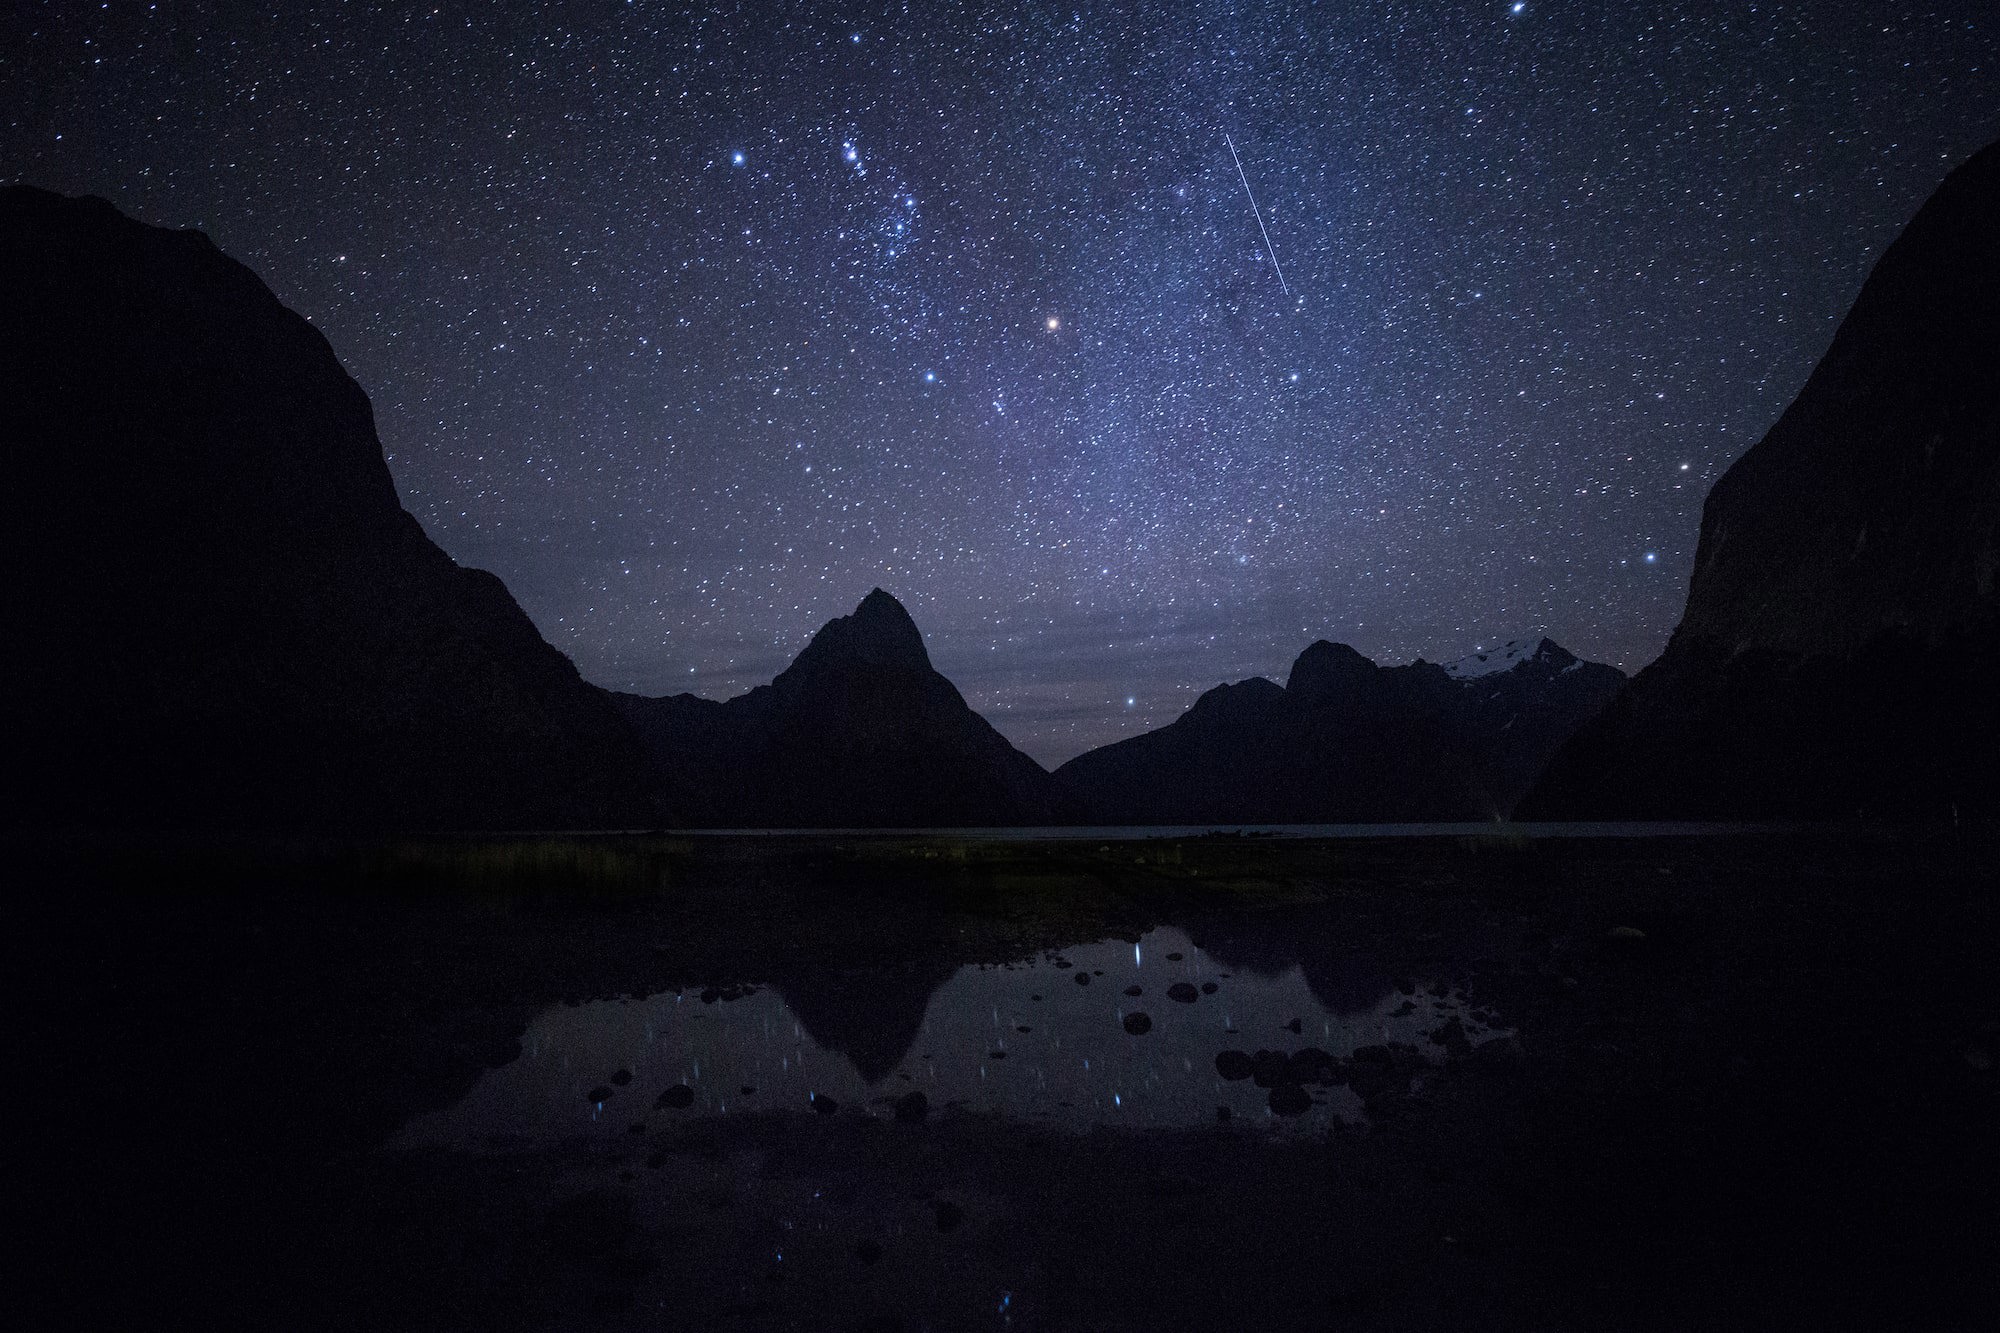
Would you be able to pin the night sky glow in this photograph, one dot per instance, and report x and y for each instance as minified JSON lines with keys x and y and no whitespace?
{"x":694,"y":324}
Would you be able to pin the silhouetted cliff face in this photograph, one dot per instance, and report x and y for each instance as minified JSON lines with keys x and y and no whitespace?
{"x":1347,"y":741}
{"x":1836,"y":656}
{"x":219,"y":613}
{"x":859,"y":731}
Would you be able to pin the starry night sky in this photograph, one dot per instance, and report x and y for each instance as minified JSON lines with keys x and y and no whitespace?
{"x":695,"y":324}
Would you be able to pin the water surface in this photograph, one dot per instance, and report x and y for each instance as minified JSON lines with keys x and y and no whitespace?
{"x":1658,"y":828}
{"x":1054,"y":1039}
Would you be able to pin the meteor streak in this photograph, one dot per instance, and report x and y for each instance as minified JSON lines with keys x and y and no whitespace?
{"x":1257,"y":213}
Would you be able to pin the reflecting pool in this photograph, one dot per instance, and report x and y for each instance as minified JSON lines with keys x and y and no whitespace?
{"x":1152,"y":1033}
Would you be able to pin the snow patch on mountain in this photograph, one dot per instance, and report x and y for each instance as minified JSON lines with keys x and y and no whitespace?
{"x":1492,"y":661}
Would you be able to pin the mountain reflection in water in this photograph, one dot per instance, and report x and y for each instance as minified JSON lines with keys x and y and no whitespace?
{"x":1043,"y":1040}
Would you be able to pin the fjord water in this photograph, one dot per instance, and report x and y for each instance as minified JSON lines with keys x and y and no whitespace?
{"x":1139,"y":833}
{"x":1055,"y":1039}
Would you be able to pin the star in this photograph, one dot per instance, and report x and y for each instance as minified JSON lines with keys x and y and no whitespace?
{"x":1480,"y":342}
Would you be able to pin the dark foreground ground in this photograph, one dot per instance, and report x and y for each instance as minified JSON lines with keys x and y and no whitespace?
{"x":1753,"y":1087}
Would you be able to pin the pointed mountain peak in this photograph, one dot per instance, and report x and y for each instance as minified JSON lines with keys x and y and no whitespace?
{"x":1553,"y":653}
{"x":880,"y":605}
{"x":1490,"y":661}
{"x":879,"y":633}
{"x":1324,"y":669}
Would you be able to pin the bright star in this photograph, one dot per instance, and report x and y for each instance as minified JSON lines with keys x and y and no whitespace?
{"x":1054,"y":323}
{"x":737,"y":158}
{"x":1516,"y":7}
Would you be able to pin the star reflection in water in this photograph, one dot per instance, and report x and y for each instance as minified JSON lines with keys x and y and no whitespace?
{"x":1016,"y":1040}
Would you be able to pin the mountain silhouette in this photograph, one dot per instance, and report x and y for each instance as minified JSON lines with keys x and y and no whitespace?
{"x":859,"y":731}
{"x":1345,"y":740}
{"x":1835,"y":658}
{"x":871,"y":1015}
{"x":224,"y":616}
{"x":1345,"y":980}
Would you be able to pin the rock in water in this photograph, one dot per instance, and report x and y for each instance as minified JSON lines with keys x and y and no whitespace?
{"x":1452,"y":1037}
{"x":1311,"y":1065}
{"x":1270,"y":1068}
{"x":1289,"y":1099}
{"x":1836,"y":655}
{"x":235,"y":622}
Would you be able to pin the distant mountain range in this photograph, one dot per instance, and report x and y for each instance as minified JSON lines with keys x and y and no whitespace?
{"x":861,"y":731}
{"x":1345,"y":740}
{"x":1836,"y":656}
{"x":224,"y":618}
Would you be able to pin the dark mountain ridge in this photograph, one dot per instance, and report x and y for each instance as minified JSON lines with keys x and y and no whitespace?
{"x":226,"y":617}
{"x":1835,"y":657}
{"x":1345,"y":740}
{"x":859,"y":731}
